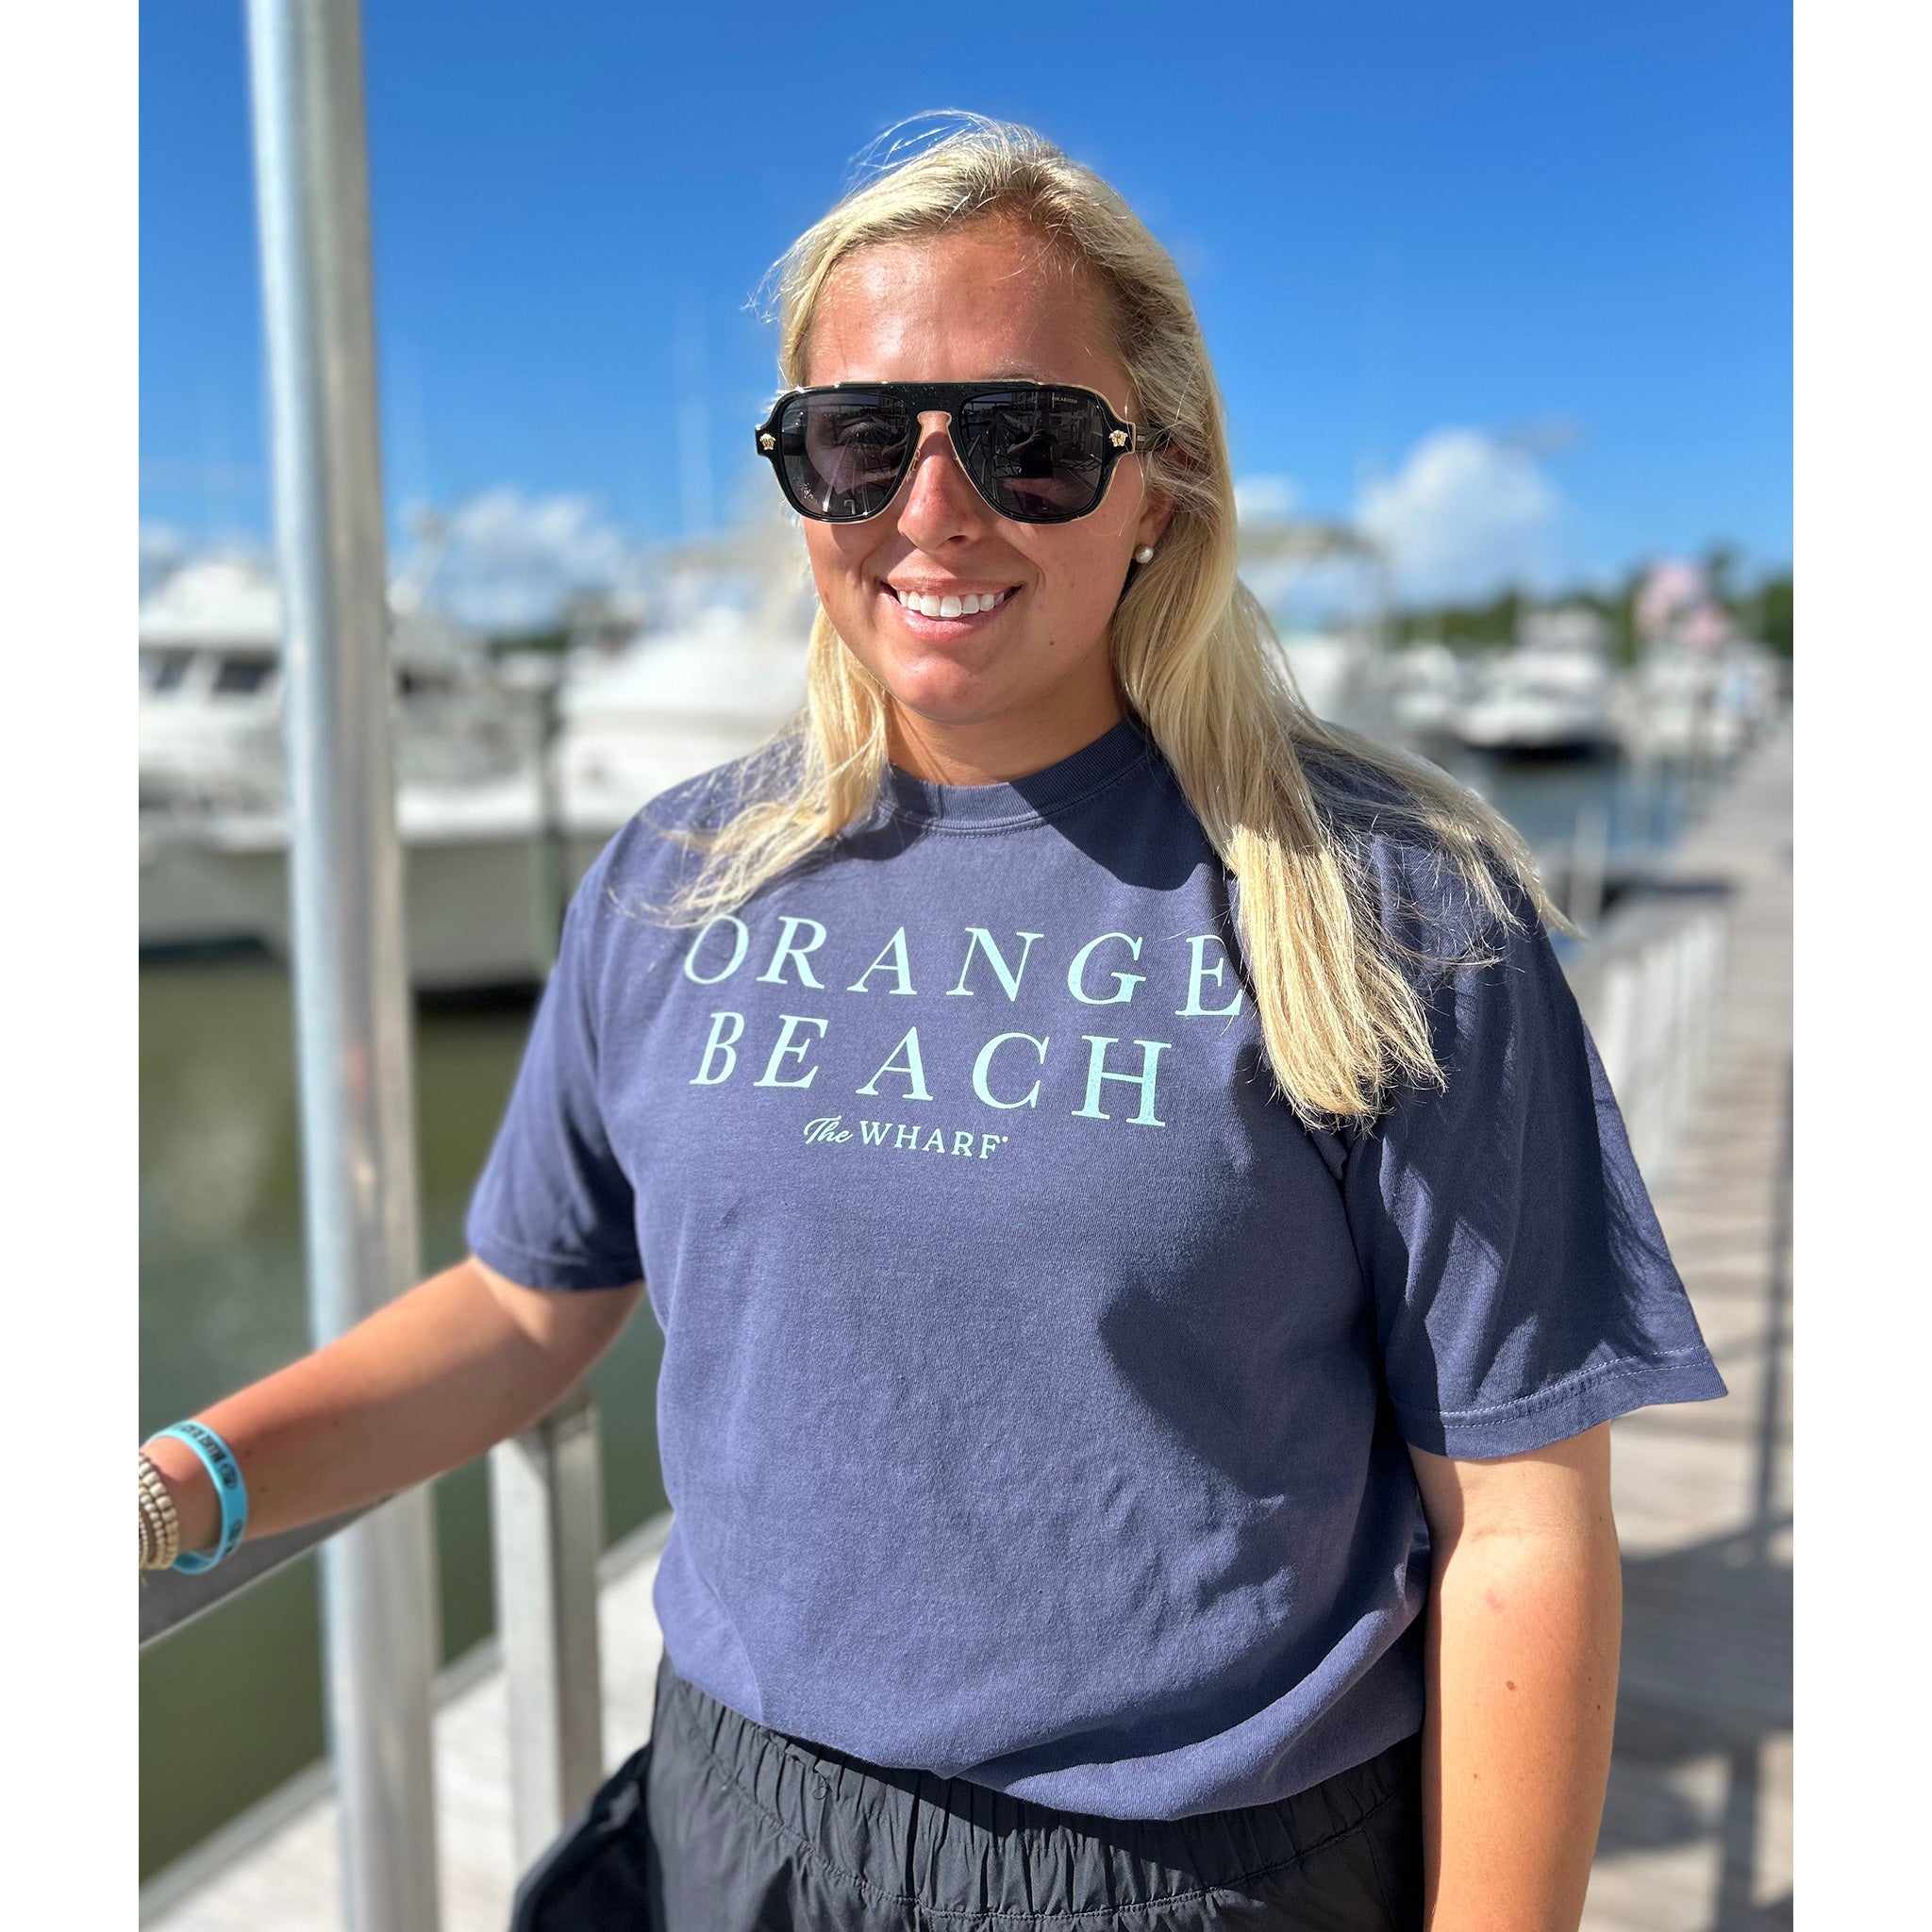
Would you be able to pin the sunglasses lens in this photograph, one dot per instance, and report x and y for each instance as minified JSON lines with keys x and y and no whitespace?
{"x":1038,"y":455}
{"x":843,"y":455}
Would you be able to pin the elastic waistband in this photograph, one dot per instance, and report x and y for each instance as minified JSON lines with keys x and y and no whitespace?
{"x":947,"y":1845}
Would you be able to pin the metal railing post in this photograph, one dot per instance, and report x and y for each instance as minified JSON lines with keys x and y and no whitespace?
{"x":547,"y":1520}
{"x":345,"y":888}
{"x":1652,"y":993}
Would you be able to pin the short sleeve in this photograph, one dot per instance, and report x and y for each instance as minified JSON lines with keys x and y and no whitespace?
{"x":1522,"y":1291}
{"x":553,"y":1209}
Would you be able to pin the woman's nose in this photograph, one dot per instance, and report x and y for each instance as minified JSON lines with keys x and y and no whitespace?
{"x":940,"y":501}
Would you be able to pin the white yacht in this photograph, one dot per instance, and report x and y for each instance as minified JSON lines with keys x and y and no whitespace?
{"x":481,"y":908}
{"x":1325,"y":585}
{"x":1549,"y":697}
{"x":668,"y":705}
{"x":1686,"y":704}
{"x":1429,"y":685}
{"x":1342,"y":676}
{"x":512,"y":774}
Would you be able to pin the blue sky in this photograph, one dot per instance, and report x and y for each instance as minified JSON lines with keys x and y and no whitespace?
{"x":1512,"y":282}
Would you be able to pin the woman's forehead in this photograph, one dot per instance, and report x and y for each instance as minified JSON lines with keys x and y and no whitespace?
{"x":991,"y":300}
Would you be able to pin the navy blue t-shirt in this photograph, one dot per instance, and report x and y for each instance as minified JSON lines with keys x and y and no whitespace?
{"x":1035,"y":1387}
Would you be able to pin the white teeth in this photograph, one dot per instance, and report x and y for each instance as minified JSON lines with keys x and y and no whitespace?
{"x":969,"y":606}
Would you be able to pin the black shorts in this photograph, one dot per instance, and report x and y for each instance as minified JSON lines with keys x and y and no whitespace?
{"x":742,"y":1830}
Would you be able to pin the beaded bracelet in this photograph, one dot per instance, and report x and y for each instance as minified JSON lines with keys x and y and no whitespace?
{"x":160,"y":1525}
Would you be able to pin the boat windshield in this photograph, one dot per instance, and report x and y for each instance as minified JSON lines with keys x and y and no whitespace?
{"x":165,"y":669}
{"x":240,"y":677}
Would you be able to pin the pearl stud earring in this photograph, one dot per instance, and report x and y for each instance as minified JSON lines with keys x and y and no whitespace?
{"x":1144,"y":555}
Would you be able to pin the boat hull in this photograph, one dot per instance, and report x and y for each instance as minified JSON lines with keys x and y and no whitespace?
{"x":478,"y":914}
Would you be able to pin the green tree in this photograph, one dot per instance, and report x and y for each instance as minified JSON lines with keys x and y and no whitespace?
{"x":1767,"y":614}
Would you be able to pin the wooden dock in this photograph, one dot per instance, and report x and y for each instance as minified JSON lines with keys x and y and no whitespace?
{"x":1697,"y":1830}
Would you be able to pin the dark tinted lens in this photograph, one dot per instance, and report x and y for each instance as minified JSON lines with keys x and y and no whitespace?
{"x":1038,"y":455}
{"x":843,"y":455}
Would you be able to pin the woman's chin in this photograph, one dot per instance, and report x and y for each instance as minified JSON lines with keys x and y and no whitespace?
{"x":945,"y":692}
{"x":946,"y":713}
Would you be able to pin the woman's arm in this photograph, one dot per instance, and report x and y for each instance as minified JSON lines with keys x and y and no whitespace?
{"x":462,"y":1361}
{"x":1526,"y":1608}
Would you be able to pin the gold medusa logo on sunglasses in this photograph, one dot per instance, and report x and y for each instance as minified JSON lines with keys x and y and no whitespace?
{"x":1038,"y":453}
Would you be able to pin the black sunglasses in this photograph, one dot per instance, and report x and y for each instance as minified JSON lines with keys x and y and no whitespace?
{"x":1039,"y":453}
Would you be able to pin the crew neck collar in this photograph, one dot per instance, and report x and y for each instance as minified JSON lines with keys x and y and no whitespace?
{"x":1037,"y":797}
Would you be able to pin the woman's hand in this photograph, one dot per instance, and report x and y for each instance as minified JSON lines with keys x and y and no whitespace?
{"x":1525,"y":1610}
{"x":462,"y":1361}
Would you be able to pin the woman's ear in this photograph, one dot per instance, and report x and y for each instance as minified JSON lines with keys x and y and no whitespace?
{"x":1154,"y":515}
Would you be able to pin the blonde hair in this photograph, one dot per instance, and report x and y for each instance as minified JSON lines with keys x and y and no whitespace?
{"x":1286,"y":801}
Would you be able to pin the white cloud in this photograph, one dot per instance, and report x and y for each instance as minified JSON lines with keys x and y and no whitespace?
{"x":511,"y":561}
{"x":1466,"y":515}
{"x":163,"y":549}
{"x":1265,"y":499}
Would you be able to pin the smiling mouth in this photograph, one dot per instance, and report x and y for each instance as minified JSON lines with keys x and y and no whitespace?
{"x":970,"y":605}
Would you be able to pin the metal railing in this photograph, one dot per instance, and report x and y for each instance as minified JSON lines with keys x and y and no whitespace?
{"x":172,"y":1599}
{"x":546,"y":1506}
{"x":1651,"y":987}
{"x":547,"y":1524}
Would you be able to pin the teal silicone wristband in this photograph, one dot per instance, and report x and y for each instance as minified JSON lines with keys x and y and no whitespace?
{"x":226,"y":1472}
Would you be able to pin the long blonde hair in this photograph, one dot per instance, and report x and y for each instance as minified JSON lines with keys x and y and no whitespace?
{"x":1278,"y":794}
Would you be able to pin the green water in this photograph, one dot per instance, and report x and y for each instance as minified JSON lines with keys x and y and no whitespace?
{"x":233,"y":1704}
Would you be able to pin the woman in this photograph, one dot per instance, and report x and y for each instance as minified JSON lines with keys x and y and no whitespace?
{"x":1146,"y":1250}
